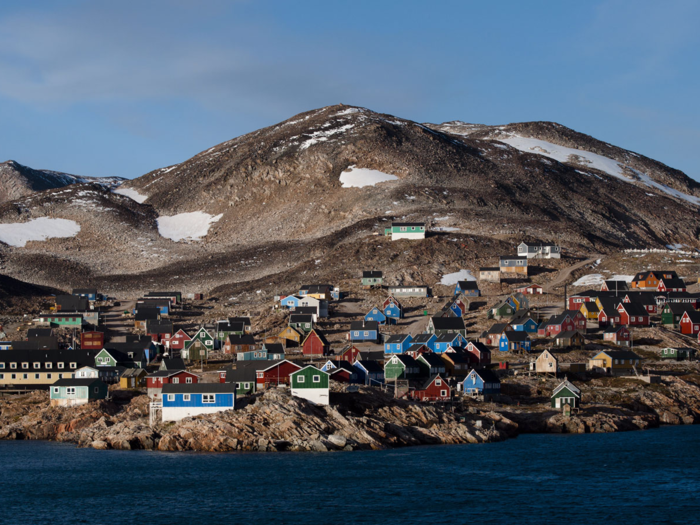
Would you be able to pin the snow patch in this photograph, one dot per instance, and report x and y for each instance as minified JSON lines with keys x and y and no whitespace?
{"x":592,"y":160}
{"x":322,"y":136}
{"x":596,"y":279}
{"x":19,"y":233}
{"x":361,"y":177}
{"x":186,"y":226}
{"x":348,"y":111}
{"x":454,"y":278}
{"x":132,"y":194}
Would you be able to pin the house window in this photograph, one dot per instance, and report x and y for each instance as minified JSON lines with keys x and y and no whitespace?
{"x":317,"y":379}
{"x":24,"y":376}
{"x":2,"y":366}
{"x":48,"y":365}
{"x":246,"y":385}
{"x":366,"y":334}
{"x":13,"y":365}
{"x":14,"y":376}
{"x":209,"y":342}
{"x":96,"y":390}
{"x":403,"y":228}
{"x":36,"y":376}
{"x":301,"y":379}
{"x":438,"y":382}
{"x":56,"y":390}
{"x":48,"y":376}
{"x":357,"y":334}
{"x":208,"y":398}
{"x":60,"y":365}
{"x":186,"y":397}
{"x":176,"y":380}
{"x":171,"y":397}
{"x":188,"y":380}
{"x":73,"y":365}
{"x":443,"y":393}
{"x":25,"y":365}
{"x":70,"y":391}
{"x":37,"y":365}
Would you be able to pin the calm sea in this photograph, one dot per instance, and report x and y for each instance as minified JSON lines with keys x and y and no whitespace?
{"x":636,"y":477}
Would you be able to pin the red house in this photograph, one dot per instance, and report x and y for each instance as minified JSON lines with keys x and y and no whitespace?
{"x":578,"y":318}
{"x":92,"y":341}
{"x":633,"y":314}
{"x":349,"y":354}
{"x":315,"y":344}
{"x":690,"y":323}
{"x":434,"y":389}
{"x":415,"y":350}
{"x":275,"y":374}
{"x":671,"y":284}
{"x":557,"y":324}
{"x":478,"y":353}
{"x":390,"y":300}
{"x":619,"y":335}
{"x":533,"y":289}
{"x":177,"y":340}
{"x":575,"y":301}
{"x":156,"y":380}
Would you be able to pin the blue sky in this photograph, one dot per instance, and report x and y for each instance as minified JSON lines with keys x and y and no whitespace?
{"x":122,"y":88}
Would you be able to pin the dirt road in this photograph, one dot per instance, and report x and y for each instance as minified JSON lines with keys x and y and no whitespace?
{"x":564,"y":274}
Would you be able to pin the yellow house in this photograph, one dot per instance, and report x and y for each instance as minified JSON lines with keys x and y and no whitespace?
{"x":291,"y":337}
{"x":590,"y":310}
{"x":133,"y":378}
{"x":616,"y":362}
{"x":40,"y":368}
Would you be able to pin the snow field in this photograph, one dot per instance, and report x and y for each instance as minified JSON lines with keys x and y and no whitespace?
{"x":20,"y":233}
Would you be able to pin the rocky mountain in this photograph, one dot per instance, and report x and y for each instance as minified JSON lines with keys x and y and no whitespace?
{"x":18,"y":181}
{"x":318,"y":189}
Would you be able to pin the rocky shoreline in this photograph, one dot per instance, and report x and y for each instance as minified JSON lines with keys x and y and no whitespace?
{"x":365,"y":420}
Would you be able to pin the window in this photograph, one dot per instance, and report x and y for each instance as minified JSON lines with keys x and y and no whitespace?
{"x":2,"y":366}
{"x":246,"y":385}
{"x":14,"y":376}
{"x":176,"y":380}
{"x":73,"y":365}
{"x":171,"y":397}
{"x":366,"y":334}
{"x":185,"y":397}
{"x":209,"y":342}
{"x":60,"y":365}
{"x":70,"y":391}
{"x":357,"y":334}
{"x":402,"y":228}
{"x":2,"y":376}
{"x":60,"y":376}
{"x":301,"y":379}
{"x":443,"y":393}
{"x":317,"y":379}
{"x":55,"y":390}
{"x":48,"y":365}
{"x":36,"y":376}
{"x":13,"y":365}
{"x":438,"y":382}
{"x":37,"y":365}
{"x":208,"y":398}
{"x":25,"y":365}
{"x":24,"y":376}
{"x":96,"y":390}
{"x":48,"y":376}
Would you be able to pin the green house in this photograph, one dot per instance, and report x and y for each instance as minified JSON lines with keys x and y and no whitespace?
{"x":70,"y":320}
{"x":405,"y":230}
{"x":311,"y":384}
{"x":402,"y":367}
{"x":501,"y":310}
{"x":671,"y":313}
{"x":302,"y":322}
{"x":105,"y":358}
{"x":73,"y":392}
{"x":566,"y":394}
{"x":372,"y":278}
{"x":678,"y":354}
{"x":199,"y":346}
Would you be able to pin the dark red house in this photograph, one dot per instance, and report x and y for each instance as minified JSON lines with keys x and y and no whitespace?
{"x":349,"y":354}
{"x":156,"y":380}
{"x":434,"y":389}
{"x":92,"y":341}
{"x":633,"y":314}
{"x":315,"y":344}
{"x":556,"y":325}
{"x":177,"y":340}
{"x":690,"y":323}
{"x":275,"y":374}
{"x":478,"y":353}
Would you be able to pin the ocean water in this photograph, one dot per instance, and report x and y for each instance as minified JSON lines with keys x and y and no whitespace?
{"x":637,"y":477}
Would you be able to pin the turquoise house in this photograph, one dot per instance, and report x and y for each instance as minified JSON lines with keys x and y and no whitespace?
{"x":74,"y":392}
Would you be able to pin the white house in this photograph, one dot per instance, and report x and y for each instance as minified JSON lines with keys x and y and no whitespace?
{"x":311,"y":384}
{"x":406,"y":230}
{"x":541,"y":251}
{"x":193,"y":399}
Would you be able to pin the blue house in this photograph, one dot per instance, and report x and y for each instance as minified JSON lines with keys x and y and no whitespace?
{"x":514,"y":341}
{"x":468,"y":288}
{"x":481,"y":382}
{"x":369,"y":372}
{"x":89,"y":293}
{"x":363,"y":331}
{"x":445,"y":341}
{"x":268,"y":352}
{"x":331,"y":365}
{"x":397,"y":344}
{"x":425,"y":339}
{"x":393,"y":313}
{"x":291,"y":301}
{"x":375,"y":314}
{"x":525,"y":324}
{"x":192,"y":399}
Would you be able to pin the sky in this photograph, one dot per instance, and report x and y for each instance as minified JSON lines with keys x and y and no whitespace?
{"x":108,"y":88}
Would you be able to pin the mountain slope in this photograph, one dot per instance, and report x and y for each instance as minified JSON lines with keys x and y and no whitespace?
{"x":18,"y":181}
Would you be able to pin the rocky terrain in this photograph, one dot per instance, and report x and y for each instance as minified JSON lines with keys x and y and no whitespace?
{"x":279,"y":206}
{"x":17,"y":181}
{"x":367,"y":419}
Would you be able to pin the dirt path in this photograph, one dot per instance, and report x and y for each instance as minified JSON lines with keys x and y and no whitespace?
{"x":564,"y":274}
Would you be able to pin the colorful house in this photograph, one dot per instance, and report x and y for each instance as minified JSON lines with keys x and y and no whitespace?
{"x":514,"y":342}
{"x":479,"y":354}
{"x":92,"y":340}
{"x":375,"y":314}
{"x":189,"y":400}
{"x":678,"y":354}
{"x":291,"y":337}
{"x":524,"y":323}
{"x":490,"y":274}
{"x":431,"y":364}
{"x":546,"y":363}
{"x":315,"y":344}
{"x":513,"y":265}
{"x":616,"y":362}
{"x":690,"y":322}
{"x":199,"y":346}
{"x":501,"y":310}
{"x":133,"y":378}
{"x":406,"y":230}
{"x":409,"y":291}
{"x":70,"y":320}
{"x":393,"y":313}
{"x":363,"y":331}
{"x":156,"y":380}
{"x":177,"y":341}
{"x":372,"y":278}
{"x":566,"y":394}
{"x":467,"y":288}
{"x":541,"y":251}
{"x":425,"y":339}
{"x":590,"y":310}
{"x":311,"y":384}
{"x":397,"y":343}
{"x":671,"y":313}
{"x":570,"y":339}
{"x":73,"y":392}
{"x":349,"y":353}
{"x":435,"y":388}
{"x":619,"y":335}
{"x":303,"y":323}
{"x":492,"y":336}
{"x":446,"y":325}
{"x":456,"y":363}
{"x":276,"y":374}
{"x":446,"y":341}
{"x":369,"y":372}
{"x":633,"y":314}
{"x":401,"y":367}
{"x":557,"y":324}
{"x":481,"y":383}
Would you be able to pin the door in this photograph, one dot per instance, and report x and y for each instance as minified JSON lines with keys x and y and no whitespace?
{"x":557,"y":403}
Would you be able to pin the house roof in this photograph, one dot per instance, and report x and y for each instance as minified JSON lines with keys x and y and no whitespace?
{"x":274,"y":348}
{"x":614,"y":329}
{"x":432,"y":359}
{"x":72,"y":302}
{"x":447,"y":338}
{"x":345,"y":365}
{"x":36,"y":343}
{"x":479,"y":346}
{"x":144,"y":314}
{"x":620,"y":354}
{"x":423,"y":338}
{"x":371,"y":366}
{"x":679,"y":308}
{"x":169,"y":373}
{"x":154,"y":326}
{"x":448,"y":323}
{"x":516,"y":336}
{"x":301,"y":318}
{"x":199,"y":388}
{"x":77,"y":381}
{"x":244,"y":320}
{"x":620,"y":286}
{"x":416,"y":347}
{"x":498,"y":328}
{"x":512,"y":258}
{"x":490,"y":269}
{"x":693,"y":315}
{"x":674,"y":283}
{"x":408,"y":224}
{"x":174,"y":363}
{"x":487,"y":376}
{"x":364,"y":325}
{"x":134,"y":372}
{"x":372,"y":274}
{"x":320,"y":336}
{"x":569,"y":386}
{"x":568,"y":334}
{"x":407,"y":360}
{"x":245,"y":339}
{"x":635,"y":309}
{"x":396,"y":338}
{"x":468,"y":285}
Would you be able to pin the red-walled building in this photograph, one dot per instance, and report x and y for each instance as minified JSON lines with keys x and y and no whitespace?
{"x":633,"y":314}
{"x":349,"y":354}
{"x":434,"y":389}
{"x":315,"y":344}
{"x":92,"y":341}
{"x":177,"y":340}
{"x":479,"y":354}
{"x":275,"y":374}
{"x":690,"y":323}
{"x":156,"y":380}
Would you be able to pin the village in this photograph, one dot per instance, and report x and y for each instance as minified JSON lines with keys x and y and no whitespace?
{"x":476,"y":345}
